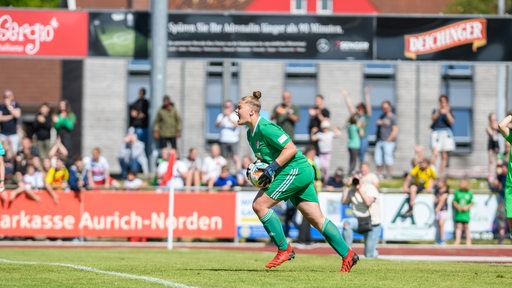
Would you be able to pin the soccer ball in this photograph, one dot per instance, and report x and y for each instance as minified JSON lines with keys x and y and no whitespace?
{"x":254,"y":171}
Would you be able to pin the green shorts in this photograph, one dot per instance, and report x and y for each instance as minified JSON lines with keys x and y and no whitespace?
{"x":295,"y":184}
{"x":508,"y":202}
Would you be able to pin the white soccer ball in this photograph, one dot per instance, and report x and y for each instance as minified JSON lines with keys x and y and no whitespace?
{"x":254,"y":171}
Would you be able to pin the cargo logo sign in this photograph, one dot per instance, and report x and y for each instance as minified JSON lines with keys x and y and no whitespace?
{"x":460,"y":33}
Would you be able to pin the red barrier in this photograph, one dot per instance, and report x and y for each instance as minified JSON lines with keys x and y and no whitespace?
{"x":121,"y":214}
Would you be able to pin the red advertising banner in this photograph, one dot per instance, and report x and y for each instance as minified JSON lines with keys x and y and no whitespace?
{"x":121,"y":214}
{"x":43,"y":33}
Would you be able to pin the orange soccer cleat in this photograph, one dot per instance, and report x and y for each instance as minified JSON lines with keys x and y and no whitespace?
{"x":281,"y":256}
{"x":349,"y":261}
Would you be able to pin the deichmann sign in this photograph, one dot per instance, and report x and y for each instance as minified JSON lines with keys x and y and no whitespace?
{"x":43,"y":33}
{"x":456,"y":34}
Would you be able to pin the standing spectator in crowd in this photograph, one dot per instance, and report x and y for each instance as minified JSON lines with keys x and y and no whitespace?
{"x":226,"y":181}
{"x":10,"y":113}
{"x":132,"y":155}
{"x":139,"y":117}
{"x":441,"y":138}
{"x":212,"y":166}
{"x":497,"y":186}
{"x":57,"y":178}
{"x":317,"y":114}
{"x":324,"y":139}
{"x":42,"y":128}
{"x":286,"y":114}
{"x":441,"y":192}
{"x":363,"y":111}
{"x":505,"y":125}
{"x":353,"y":143}
{"x":365,"y":200}
{"x":493,"y":146}
{"x":336,"y":181}
{"x":462,"y":203}
{"x":31,"y":182}
{"x":421,"y":177}
{"x":367,"y":176}
{"x":229,"y":133}
{"x":193,"y":164}
{"x":387,"y":130}
{"x":98,"y":171}
{"x":167,"y":124}
{"x":64,"y":123}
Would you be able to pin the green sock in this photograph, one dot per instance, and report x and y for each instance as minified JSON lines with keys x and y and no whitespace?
{"x":333,"y":237}
{"x":272,"y":225}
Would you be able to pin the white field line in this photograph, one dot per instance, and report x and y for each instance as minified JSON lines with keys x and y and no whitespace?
{"x":448,"y":258}
{"x":94,"y":270}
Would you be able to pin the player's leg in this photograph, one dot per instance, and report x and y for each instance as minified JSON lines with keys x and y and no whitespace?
{"x":271,"y":222}
{"x":458,"y":233}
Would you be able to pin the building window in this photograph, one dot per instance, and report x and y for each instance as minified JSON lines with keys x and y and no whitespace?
{"x":457,"y":84}
{"x":299,"y":6}
{"x":324,"y":6}
{"x":300,"y":80}
{"x":381,"y":79}
{"x":214,"y":94}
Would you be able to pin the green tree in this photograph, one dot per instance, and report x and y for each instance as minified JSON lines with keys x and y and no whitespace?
{"x":31,"y":3}
{"x":476,"y":7}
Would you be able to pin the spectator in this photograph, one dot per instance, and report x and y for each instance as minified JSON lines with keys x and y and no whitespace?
{"x":3,"y":195}
{"x":462,"y":203}
{"x":226,"y":181}
{"x":179,"y":172}
{"x":229,"y":133}
{"x":10,"y":113}
{"x":363,"y":111}
{"x":387,"y":130}
{"x":212,"y":166}
{"x":441,"y":192}
{"x":421,"y":177}
{"x":497,"y":186}
{"x":167,"y":124}
{"x":441,"y":139}
{"x":493,"y":146}
{"x":132,"y":155}
{"x":77,"y":177}
{"x":367,"y":176}
{"x":57,"y":178}
{"x":336,"y":181}
{"x":9,"y":161}
{"x":139,"y":117}
{"x":317,"y":114}
{"x":64,"y":123}
{"x":58,"y":150}
{"x":324,"y":139}
{"x":193,"y":164}
{"x":241,"y":176}
{"x":354,"y":142}
{"x":24,"y":157}
{"x":504,"y":127}
{"x":42,"y":128}
{"x":132,"y":182}
{"x":365,"y":200}
{"x":32,"y":182}
{"x":286,"y":114}
{"x":98,"y":171}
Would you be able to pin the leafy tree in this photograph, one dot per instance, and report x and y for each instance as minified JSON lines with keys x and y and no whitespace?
{"x":476,"y":7}
{"x":31,"y":3}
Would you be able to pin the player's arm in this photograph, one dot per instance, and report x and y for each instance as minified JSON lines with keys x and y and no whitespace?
{"x":503,"y":125}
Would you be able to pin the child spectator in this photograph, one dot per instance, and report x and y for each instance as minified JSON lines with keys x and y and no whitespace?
{"x":354,"y":133}
{"x":420,"y":178}
{"x":132,"y":182}
{"x":32,"y":182}
{"x":462,"y":203}
{"x":225,"y":181}
{"x":57,"y":178}
{"x":324,"y":138}
{"x":441,"y":192}
{"x":77,"y":177}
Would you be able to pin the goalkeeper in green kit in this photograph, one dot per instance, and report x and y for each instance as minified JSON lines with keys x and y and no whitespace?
{"x":289,"y":176}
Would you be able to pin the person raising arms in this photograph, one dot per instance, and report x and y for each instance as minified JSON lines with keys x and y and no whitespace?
{"x":289,"y":176}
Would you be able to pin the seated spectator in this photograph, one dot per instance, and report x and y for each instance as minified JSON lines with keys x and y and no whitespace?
{"x":32,"y":182}
{"x":98,"y":171}
{"x":57,"y":178}
{"x":132,"y":155}
{"x":226,"y":180}
{"x":336,"y":181}
{"x":193,"y":163}
{"x":420,"y":178}
{"x":77,"y":177}
{"x":212,"y":166}
{"x":241,"y":176}
{"x":132,"y":182}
